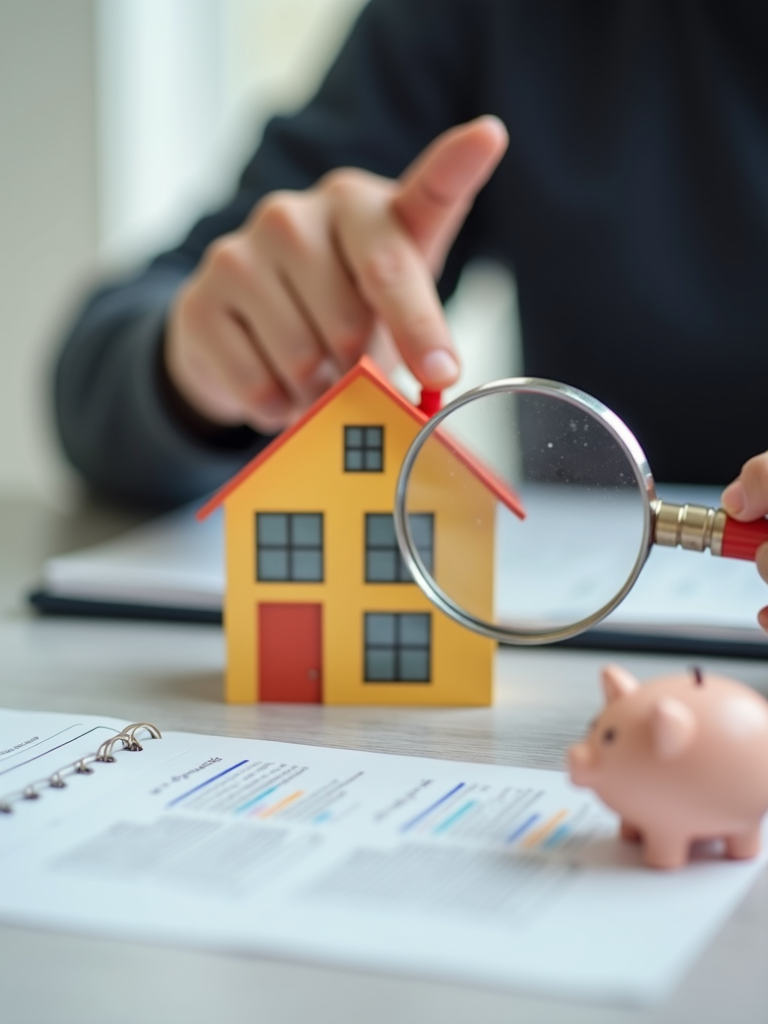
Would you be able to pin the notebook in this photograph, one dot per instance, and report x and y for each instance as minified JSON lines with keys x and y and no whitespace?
{"x":169,"y":568}
{"x":479,"y":874}
{"x":173,"y":568}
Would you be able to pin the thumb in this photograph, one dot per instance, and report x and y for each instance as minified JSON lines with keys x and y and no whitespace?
{"x":747,"y":497}
{"x":438,"y":189}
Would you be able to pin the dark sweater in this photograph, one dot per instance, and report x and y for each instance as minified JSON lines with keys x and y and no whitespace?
{"x":632,"y":206}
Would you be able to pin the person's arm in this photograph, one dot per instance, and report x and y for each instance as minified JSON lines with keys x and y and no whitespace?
{"x":746,"y":499}
{"x":127,"y":416}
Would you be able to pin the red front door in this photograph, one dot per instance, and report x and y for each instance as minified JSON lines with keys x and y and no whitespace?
{"x":290,"y":653}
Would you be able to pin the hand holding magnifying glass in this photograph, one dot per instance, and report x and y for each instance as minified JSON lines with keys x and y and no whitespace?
{"x":575,"y":514}
{"x":746,"y":499}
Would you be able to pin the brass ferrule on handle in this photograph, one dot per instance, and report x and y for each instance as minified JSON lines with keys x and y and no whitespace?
{"x":693,"y":527}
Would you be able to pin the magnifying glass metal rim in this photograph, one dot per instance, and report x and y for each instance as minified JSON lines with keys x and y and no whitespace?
{"x":580,"y":400}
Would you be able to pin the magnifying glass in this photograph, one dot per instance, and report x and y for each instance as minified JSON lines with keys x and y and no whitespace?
{"x":526,"y":509}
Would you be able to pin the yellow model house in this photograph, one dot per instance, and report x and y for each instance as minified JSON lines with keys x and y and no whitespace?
{"x":319,"y":604}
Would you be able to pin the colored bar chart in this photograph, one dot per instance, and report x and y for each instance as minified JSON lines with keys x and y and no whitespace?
{"x":467,"y":814}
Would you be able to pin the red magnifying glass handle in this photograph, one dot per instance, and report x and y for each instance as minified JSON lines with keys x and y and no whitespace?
{"x":741,"y":540}
{"x":696,"y":528}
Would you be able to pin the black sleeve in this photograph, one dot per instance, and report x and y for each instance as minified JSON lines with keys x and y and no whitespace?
{"x":403,"y":76}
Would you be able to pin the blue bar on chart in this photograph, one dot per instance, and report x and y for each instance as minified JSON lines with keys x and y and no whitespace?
{"x":254,"y":800}
{"x":433,"y":807}
{"x":522,"y":829}
{"x":207,"y":782}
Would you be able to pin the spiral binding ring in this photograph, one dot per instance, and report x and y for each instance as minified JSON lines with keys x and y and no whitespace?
{"x":104,"y":753}
{"x":130,"y":733}
{"x":82,"y":766}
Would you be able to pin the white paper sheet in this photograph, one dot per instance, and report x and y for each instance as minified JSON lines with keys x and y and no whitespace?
{"x":173,"y":561}
{"x":502,"y":877}
{"x":678,"y":593}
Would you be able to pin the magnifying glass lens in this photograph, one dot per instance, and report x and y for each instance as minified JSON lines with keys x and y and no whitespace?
{"x":526,"y":513}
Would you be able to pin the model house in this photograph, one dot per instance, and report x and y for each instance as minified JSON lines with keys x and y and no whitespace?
{"x":319,"y":604}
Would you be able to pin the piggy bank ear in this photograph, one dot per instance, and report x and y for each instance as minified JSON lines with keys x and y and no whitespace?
{"x":673,"y":727}
{"x":617,"y":682}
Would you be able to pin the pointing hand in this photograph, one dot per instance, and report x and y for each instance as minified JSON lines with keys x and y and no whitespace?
{"x":277,"y":310}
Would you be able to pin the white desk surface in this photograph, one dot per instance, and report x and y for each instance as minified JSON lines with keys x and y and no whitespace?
{"x":171,"y":674}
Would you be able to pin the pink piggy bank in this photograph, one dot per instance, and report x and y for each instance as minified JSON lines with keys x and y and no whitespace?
{"x":682,"y":758}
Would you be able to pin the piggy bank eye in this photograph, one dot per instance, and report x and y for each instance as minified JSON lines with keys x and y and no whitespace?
{"x":609,"y":735}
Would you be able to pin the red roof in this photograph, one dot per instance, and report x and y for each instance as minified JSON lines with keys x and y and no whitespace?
{"x":368,"y":369}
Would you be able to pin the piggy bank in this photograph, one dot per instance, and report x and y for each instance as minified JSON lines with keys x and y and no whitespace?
{"x":681,"y":758}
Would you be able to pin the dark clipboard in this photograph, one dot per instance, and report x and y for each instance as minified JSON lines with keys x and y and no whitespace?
{"x":55,"y":604}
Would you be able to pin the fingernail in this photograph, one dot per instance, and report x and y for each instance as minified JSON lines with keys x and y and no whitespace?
{"x":439,"y":368}
{"x":325,"y":374}
{"x":493,"y":119}
{"x":733,"y":499}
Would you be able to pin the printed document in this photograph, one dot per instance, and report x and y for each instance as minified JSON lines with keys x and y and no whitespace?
{"x":491,"y":876}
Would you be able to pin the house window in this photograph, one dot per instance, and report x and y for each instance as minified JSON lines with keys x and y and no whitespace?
{"x":289,"y":547}
{"x":397,"y":647}
{"x":383,"y":561}
{"x":363,"y":449}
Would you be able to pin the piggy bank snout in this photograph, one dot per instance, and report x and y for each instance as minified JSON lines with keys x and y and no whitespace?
{"x":582,"y":764}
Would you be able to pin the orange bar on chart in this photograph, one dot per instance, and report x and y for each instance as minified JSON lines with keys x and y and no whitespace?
{"x":543,"y":830}
{"x":283,"y":803}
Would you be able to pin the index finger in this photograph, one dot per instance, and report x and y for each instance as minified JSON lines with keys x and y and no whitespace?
{"x":436,"y":191}
{"x":395,"y":281}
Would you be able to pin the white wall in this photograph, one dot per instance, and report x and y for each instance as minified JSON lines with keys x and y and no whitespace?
{"x":47,"y":217}
{"x":183,"y":89}
{"x":120,"y":121}
{"x":159,"y":98}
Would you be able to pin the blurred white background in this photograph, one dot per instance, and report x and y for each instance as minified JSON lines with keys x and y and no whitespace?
{"x":121,"y":121}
